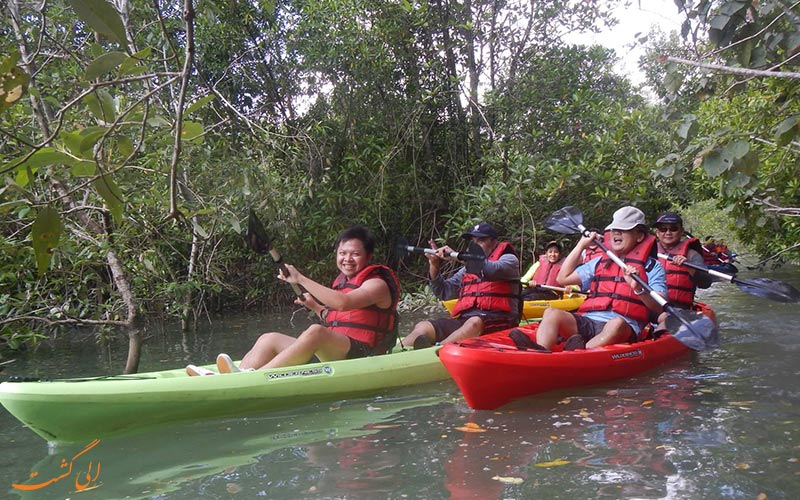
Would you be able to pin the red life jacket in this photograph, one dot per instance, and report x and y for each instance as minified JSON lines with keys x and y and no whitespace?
{"x":609,"y":291}
{"x":547,"y":271}
{"x":484,"y":294}
{"x":680,"y":285}
{"x":372,"y":325}
{"x":592,"y":253}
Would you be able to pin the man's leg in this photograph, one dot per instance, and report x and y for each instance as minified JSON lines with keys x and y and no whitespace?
{"x":421,"y":329}
{"x":555,"y":323}
{"x":472,"y":327}
{"x":616,"y":331}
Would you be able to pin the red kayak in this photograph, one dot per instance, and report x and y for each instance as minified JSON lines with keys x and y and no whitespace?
{"x":492,"y":371}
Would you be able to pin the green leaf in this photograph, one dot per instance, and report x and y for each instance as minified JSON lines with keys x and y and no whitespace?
{"x":101,"y":17}
{"x":688,"y":127}
{"x":737,"y":149}
{"x":111,"y":194}
{"x":131,"y":65}
{"x":716,"y":162}
{"x":192,"y":131}
{"x":46,"y":232}
{"x":199,"y":103}
{"x":102,"y":105}
{"x":104,"y":64}
{"x":84,"y":168}
{"x":48,"y":156}
{"x":787,"y":130}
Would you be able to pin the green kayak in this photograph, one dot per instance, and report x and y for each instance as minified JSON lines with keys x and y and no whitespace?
{"x":72,"y":410}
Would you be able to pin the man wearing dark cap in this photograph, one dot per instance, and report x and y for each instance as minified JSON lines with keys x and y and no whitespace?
{"x":618,"y":307}
{"x":487,"y":301}
{"x":543,"y":272}
{"x":682,"y":281}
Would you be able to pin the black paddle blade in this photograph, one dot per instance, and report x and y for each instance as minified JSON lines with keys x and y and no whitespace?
{"x":475,"y":260}
{"x":401,"y":247}
{"x":565,"y":220}
{"x":693,"y":329}
{"x":778,"y":291}
{"x":257,"y":238}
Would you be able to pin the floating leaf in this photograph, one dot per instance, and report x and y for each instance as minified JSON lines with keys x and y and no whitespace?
{"x":46,"y":232}
{"x":470,"y":427}
{"x":509,"y":479}
{"x":553,"y":463}
{"x":648,"y":402}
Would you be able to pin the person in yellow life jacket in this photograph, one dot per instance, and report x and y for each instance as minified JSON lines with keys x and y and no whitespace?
{"x":682,"y":281}
{"x":543,"y":272}
{"x":487,"y":302}
{"x":359,"y":313}
{"x":617,"y":308}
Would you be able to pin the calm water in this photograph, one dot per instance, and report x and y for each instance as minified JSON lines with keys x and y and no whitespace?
{"x":722,"y":424}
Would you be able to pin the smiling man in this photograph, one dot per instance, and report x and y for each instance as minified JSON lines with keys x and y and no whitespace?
{"x":617,"y":308}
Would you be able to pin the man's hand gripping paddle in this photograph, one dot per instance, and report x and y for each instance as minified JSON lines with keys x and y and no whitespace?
{"x":474,"y":258}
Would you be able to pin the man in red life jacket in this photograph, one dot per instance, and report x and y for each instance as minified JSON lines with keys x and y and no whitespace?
{"x":543,"y":272}
{"x":682,"y":281}
{"x":618,"y":308}
{"x":487,"y":302}
{"x":359,"y":313}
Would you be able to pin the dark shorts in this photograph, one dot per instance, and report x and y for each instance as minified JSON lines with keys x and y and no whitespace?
{"x":445,"y":326}
{"x":589,"y":328}
{"x":358,"y":349}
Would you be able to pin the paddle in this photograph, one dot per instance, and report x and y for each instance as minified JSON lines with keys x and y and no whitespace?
{"x":765,"y":288}
{"x":569,"y":291}
{"x":693,"y":329}
{"x":474,"y":258}
{"x":260,"y":243}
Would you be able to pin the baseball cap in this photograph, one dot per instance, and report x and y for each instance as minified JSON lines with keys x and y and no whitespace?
{"x":482,"y":230}
{"x":627,"y":218}
{"x":669,"y":218}
{"x":553,"y":243}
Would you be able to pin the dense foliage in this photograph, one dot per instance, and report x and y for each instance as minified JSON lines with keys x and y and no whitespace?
{"x":135,"y":136}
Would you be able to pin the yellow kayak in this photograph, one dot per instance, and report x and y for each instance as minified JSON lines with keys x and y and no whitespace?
{"x":533,"y":309}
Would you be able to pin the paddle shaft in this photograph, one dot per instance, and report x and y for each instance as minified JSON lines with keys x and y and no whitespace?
{"x":278,"y":260}
{"x":560,"y":289}
{"x":431,"y":251}
{"x":611,"y":255}
{"x":712,"y":272}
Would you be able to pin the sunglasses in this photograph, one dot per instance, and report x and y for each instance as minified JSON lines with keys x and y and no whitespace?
{"x":667,"y":229}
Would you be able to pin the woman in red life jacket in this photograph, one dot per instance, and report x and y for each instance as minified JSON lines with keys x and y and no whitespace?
{"x":617,"y":308}
{"x":359,"y":312}
{"x":682,"y":281}
{"x":487,"y":302}
{"x":543,"y":272}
